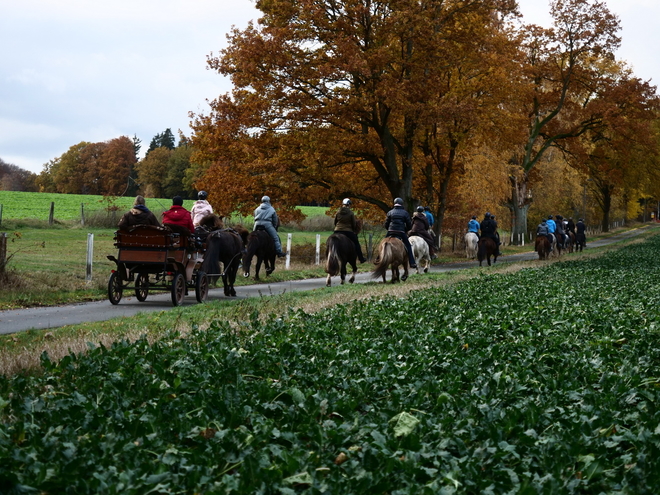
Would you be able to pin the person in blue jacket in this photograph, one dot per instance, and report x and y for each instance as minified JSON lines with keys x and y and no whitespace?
{"x":266,"y":218}
{"x":552,"y":227}
{"x":473,"y":225}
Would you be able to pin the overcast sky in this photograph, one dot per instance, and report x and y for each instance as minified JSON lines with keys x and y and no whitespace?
{"x":85,"y":70}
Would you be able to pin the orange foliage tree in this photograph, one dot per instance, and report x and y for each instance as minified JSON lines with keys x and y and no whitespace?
{"x":349,"y":98}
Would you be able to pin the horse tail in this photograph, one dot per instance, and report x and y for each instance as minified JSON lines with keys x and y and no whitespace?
{"x":481,"y":250}
{"x":251,"y":249}
{"x":211,"y":264}
{"x":332,"y":261}
{"x":383,"y":260}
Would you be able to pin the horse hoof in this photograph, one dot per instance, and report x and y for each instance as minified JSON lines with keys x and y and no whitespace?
{"x":403,"y":278}
{"x":246,"y":274}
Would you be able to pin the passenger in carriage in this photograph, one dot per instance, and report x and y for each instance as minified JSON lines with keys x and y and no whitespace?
{"x":139,"y":214}
{"x":201,"y":208}
{"x":177,"y":215}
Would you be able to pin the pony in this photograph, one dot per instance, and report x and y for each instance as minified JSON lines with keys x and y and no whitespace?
{"x":391,"y":252}
{"x":580,"y":242}
{"x":339,"y":251}
{"x":471,"y":241}
{"x":486,"y":247}
{"x":420,"y":250}
{"x":570,"y":242}
{"x":260,"y":244}
{"x":223,"y":246}
{"x":542,"y":247}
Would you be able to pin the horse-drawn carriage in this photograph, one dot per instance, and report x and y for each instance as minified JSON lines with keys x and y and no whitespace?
{"x":154,"y":258}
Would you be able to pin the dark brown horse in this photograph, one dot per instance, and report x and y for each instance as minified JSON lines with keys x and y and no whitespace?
{"x":486,"y":247}
{"x":226,"y":247}
{"x":580,"y":242}
{"x":391,"y":252}
{"x":339,"y":251}
{"x":261,"y":245}
{"x":542,"y":247}
{"x":570,"y":241}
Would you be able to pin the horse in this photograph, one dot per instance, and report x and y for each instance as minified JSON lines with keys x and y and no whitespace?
{"x":260,"y":244}
{"x":486,"y":247}
{"x":570,"y":242}
{"x":339,"y":251}
{"x":420,"y":249}
{"x":542,"y":247}
{"x":471,"y":241}
{"x":391,"y":252}
{"x":580,"y":242}
{"x":226,"y":247}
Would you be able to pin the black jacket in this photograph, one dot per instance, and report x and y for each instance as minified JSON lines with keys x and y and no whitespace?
{"x":398,"y":220}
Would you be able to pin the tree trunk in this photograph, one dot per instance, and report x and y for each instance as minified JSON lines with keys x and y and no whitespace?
{"x":519,"y":204}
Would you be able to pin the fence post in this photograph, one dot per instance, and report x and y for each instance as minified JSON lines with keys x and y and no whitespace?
{"x":453,"y":243}
{"x":288,"y":251}
{"x":90,"y":257}
{"x":51,"y":215}
{"x":318,"y":249}
{"x":3,"y":251}
{"x":0,"y":213}
{"x":82,"y":214}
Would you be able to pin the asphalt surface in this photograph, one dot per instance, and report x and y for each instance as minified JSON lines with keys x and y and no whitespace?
{"x":19,"y":320}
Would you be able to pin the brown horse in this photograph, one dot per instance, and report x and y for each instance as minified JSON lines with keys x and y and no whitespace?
{"x":391,"y":252}
{"x":580,"y":242}
{"x":261,"y":245}
{"x":570,"y":242}
{"x":486,"y":247}
{"x":339,"y":251}
{"x":226,"y":247}
{"x":542,"y":247}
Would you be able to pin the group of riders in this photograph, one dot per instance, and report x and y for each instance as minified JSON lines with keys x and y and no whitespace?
{"x":487,"y":228}
{"x":558,"y":230}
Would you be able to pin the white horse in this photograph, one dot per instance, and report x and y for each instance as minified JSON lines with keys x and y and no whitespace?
{"x":420,"y":251}
{"x":471,"y":240}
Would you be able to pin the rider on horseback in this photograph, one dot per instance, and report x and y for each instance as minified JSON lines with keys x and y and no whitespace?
{"x":266,"y":218}
{"x":561,"y":235}
{"x":552,"y":227}
{"x":346,"y":224}
{"x":398,"y":222}
{"x":200,"y":208}
{"x":420,"y":227}
{"x":473,"y":226}
{"x":581,"y":229}
{"x":542,"y":229}
{"x":489,"y":230}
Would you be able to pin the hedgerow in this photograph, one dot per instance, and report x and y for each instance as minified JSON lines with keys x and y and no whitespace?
{"x":541,"y":381}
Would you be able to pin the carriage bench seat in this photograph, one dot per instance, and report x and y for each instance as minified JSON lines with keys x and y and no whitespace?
{"x":149,"y":236}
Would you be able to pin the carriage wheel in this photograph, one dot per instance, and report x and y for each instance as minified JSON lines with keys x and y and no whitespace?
{"x":115,"y":288}
{"x":142,"y":287}
{"x":178,"y":289}
{"x":201,"y":287}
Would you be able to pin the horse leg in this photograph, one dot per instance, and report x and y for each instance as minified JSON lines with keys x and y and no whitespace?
{"x":355,"y":269}
{"x":342,"y":272}
{"x":257,"y":267}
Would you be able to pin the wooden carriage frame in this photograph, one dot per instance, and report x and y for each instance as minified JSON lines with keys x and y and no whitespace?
{"x":154,"y":258}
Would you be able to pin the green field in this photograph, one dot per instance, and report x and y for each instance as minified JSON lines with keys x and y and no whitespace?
{"x":546,"y":380}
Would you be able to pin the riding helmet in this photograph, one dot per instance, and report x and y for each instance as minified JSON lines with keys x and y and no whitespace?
{"x":420,"y":209}
{"x":398,"y":201}
{"x":487,"y":215}
{"x":474,"y":217}
{"x":549,"y":217}
{"x":346,"y":202}
{"x":265,"y":199}
{"x":202,"y":195}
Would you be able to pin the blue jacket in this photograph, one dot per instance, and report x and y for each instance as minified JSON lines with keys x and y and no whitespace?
{"x":473,"y":226}
{"x":552,"y":226}
{"x":430,"y":218}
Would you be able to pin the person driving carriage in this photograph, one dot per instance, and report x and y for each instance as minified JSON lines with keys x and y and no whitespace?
{"x":265,"y":217}
{"x":345,"y":223}
{"x":139,"y":214}
{"x":420,"y":227}
{"x":398,"y":223}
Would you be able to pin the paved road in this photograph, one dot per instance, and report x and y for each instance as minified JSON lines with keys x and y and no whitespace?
{"x":54,"y":317}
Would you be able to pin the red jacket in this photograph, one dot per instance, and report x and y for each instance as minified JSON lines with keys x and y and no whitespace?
{"x":178,"y":215}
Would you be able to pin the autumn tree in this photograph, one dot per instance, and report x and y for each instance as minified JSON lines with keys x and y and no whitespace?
{"x":14,"y":178}
{"x":563,"y":74}
{"x":332,"y":99}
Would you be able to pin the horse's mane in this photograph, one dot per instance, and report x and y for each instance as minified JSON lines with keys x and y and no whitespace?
{"x":212,"y":222}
